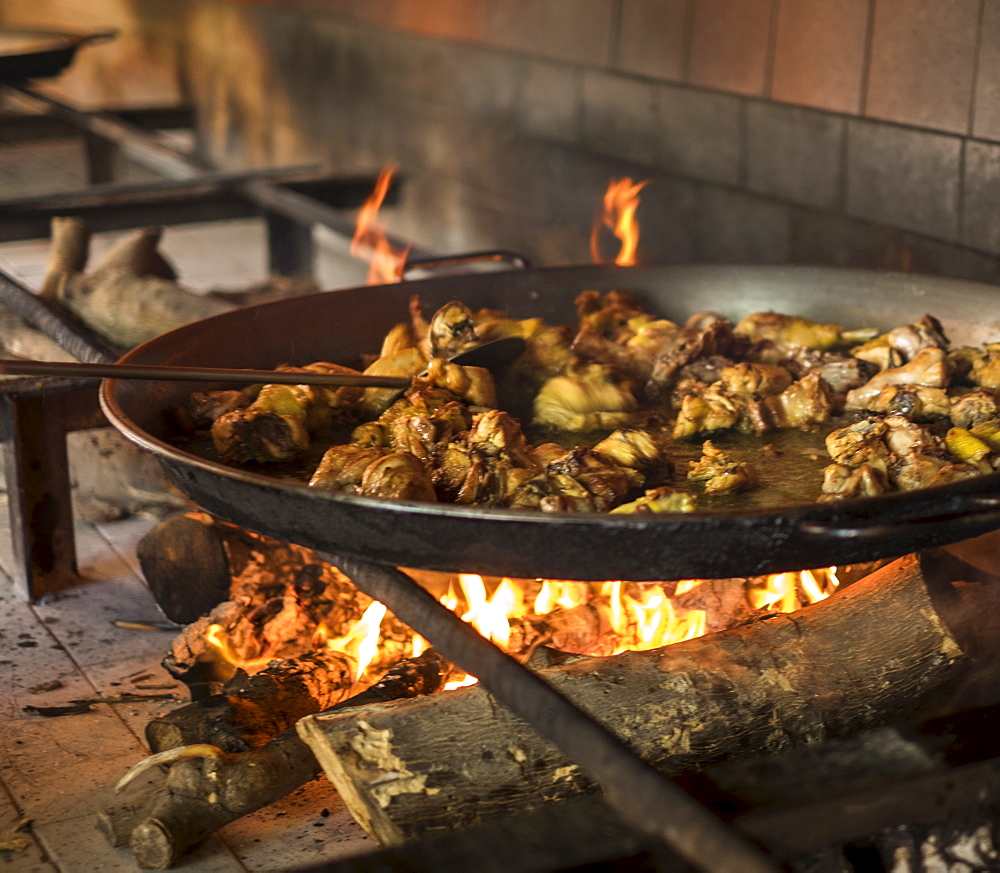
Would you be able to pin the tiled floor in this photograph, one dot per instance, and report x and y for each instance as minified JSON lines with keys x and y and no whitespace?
{"x":57,"y":772}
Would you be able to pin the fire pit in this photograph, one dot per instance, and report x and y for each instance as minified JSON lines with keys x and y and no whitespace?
{"x":355,"y":532}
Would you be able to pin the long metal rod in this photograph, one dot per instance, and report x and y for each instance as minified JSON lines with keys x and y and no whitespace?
{"x":55,"y":322}
{"x":642,"y":796}
{"x":194,"y":374}
{"x":145,"y":150}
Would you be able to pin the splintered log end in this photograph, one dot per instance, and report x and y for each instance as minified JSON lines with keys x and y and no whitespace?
{"x":152,"y":846}
{"x":879,"y":651}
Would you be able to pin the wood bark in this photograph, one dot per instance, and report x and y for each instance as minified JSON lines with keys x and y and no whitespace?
{"x":871,"y":654}
{"x":251,"y":710}
{"x":203,"y":793}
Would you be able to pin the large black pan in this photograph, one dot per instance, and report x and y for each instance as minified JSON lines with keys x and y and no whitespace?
{"x":31,"y":53}
{"x":338,"y":326}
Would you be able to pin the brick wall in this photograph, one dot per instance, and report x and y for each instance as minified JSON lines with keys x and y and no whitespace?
{"x":861,"y":132}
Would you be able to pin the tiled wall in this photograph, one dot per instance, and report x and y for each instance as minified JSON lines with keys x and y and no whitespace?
{"x":833,"y":131}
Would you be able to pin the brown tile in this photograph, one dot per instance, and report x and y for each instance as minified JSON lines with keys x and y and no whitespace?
{"x":922,"y":63}
{"x":729,"y":45}
{"x":550,"y":101}
{"x":904,"y":178}
{"x":619,"y":115}
{"x":453,"y":19}
{"x":699,"y":134}
{"x":568,"y":30}
{"x":652,"y":36}
{"x":981,"y":184}
{"x":819,"y":53}
{"x":795,"y":153}
{"x":986,"y":112}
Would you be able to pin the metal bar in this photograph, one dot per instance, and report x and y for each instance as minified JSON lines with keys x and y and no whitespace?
{"x":100,"y":156}
{"x":116,"y":194}
{"x":55,"y":322}
{"x":38,"y":493}
{"x":290,"y":248}
{"x":144,"y":149}
{"x":165,"y":208}
{"x":638,"y":793}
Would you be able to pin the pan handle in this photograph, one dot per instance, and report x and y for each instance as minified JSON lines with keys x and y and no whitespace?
{"x":452,"y":263}
{"x":978,"y":509}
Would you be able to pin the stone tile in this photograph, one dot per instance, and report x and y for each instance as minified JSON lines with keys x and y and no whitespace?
{"x":78,"y":847}
{"x":57,"y":768}
{"x":619,"y":115}
{"x":922,"y":63}
{"x":488,"y":83}
{"x":124,"y":537}
{"x":652,"y":38}
{"x":795,"y":154}
{"x":905,"y":178}
{"x":578,"y":31}
{"x":308,"y":828}
{"x":981,"y":201}
{"x":729,"y":45}
{"x":734,"y":228}
{"x":819,"y":53}
{"x":27,"y":856}
{"x":699,"y":134}
{"x":986,"y":111}
{"x":550,"y":102}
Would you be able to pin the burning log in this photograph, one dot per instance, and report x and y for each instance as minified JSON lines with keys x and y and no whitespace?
{"x":207,"y":788}
{"x":251,"y":710}
{"x":873,"y":653}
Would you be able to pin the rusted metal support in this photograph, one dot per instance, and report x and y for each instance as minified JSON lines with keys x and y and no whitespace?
{"x":33,"y":427}
{"x":644,"y":798}
{"x":100,"y":155}
{"x":290,"y":248}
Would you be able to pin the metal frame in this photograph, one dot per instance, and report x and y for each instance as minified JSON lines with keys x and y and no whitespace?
{"x":36,"y":416}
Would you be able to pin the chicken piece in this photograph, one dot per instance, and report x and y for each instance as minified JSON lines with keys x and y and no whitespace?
{"x":860,"y":444}
{"x":411,"y":334}
{"x":606,"y":482}
{"x":636,"y":450}
{"x":840,"y":372}
{"x":397,"y":476}
{"x":204,"y":407}
{"x":975,"y":407}
{"x":246,"y":436}
{"x":342,"y":467}
{"x":954,"y":473}
{"x":793,"y":330}
{"x":495,"y":434}
{"x":712,"y":410}
{"x":986,"y":367}
{"x":708,"y":370}
{"x":277,"y":425}
{"x":755,"y":380}
{"x":903,"y":435}
{"x":803,"y":404}
{"x":423,"y":434}
{"x":405,"y":363}
{"x":903,"y":344}
{"x":929,"y":368}
{"x":912,"y":470}
{"x":590,"y":398}
{"x":917,"y":401}
{"x":662,"y":499}
{"x":473,"y":385}
{"x":700,"y":337}
{"x":841,"y":482}
{"x":720,"y":473}
{"x":608,"y":315}
{"x":961,"y":361}
{"x":452,"y":330}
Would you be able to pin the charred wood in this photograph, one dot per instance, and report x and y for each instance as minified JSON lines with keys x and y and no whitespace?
{"x":207,"y":788}
{"x":871,"y":654}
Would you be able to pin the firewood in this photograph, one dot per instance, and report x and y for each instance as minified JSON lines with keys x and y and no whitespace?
{"x":204,"y":791}
{"x":870,"y":654}
{"x":69,"y":254}
{"x":251,"y":710}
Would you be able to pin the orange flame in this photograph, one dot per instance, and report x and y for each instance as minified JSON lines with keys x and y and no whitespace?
{"x":620,"y":203}
{"x":370,"y":241}
{"x":641,"y":616}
